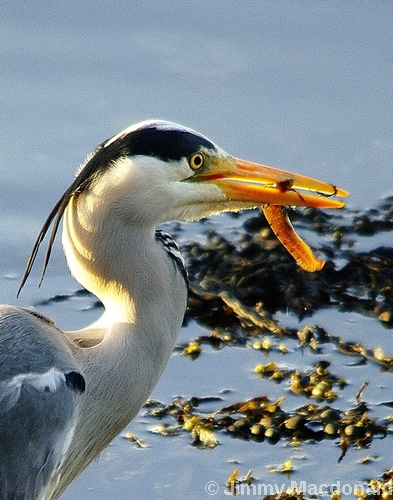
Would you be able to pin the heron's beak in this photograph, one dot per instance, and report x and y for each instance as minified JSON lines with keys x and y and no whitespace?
{"x":241,"y":180}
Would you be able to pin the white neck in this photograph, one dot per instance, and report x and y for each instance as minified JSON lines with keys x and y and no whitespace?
{"x":141,"y":288}
{"x":144,"y":295}
{"x":119,"y":262}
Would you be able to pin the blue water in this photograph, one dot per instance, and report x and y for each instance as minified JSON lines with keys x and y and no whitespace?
{"x":305,"y":86}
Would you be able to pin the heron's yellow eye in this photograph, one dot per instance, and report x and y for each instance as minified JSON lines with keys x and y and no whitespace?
{"x":196,"y":161}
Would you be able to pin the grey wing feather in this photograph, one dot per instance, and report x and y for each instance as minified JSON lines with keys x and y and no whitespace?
{"x":40,"y":387}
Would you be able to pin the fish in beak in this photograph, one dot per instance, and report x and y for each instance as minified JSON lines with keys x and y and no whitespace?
{"x":272,"y":188}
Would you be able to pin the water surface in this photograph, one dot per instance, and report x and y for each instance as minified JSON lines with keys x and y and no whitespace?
{"x":303,"y":86}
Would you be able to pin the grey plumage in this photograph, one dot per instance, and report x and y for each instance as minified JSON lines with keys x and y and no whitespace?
{"x":25,"y":422}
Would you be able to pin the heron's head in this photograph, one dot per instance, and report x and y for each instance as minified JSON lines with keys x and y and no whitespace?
{"x":158,"y":171}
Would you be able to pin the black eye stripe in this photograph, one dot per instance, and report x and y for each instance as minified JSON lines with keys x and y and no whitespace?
{"x":163,"y":144}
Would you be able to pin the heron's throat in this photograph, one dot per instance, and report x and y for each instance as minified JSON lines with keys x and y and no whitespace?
{"x":118,"y":258}
{"x":96,"y":258}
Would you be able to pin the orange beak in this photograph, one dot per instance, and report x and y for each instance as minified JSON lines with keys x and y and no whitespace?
{"x":241,"y":180}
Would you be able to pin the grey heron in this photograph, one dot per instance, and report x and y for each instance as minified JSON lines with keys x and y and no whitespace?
{"x":65,"y":395}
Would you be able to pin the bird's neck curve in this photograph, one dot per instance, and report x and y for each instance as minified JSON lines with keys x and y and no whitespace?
{"x":121,"y":263}
{"x":144,"y":294}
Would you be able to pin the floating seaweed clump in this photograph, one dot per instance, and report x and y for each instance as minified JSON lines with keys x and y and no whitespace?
{"x":251,"y":268}
{"x":260,"y":419}
{"x":317,"y":383}
{"x":378,"y":489}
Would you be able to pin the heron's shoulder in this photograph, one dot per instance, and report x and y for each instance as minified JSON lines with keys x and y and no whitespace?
{"x":12,"y":316}
{"x":31,"y":344}
{"x":40,"y":316}
{"x":173,"y":250}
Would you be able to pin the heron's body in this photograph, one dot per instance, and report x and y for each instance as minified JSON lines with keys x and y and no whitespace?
{"x":45,"y":376}
{"x":65,"y":395}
